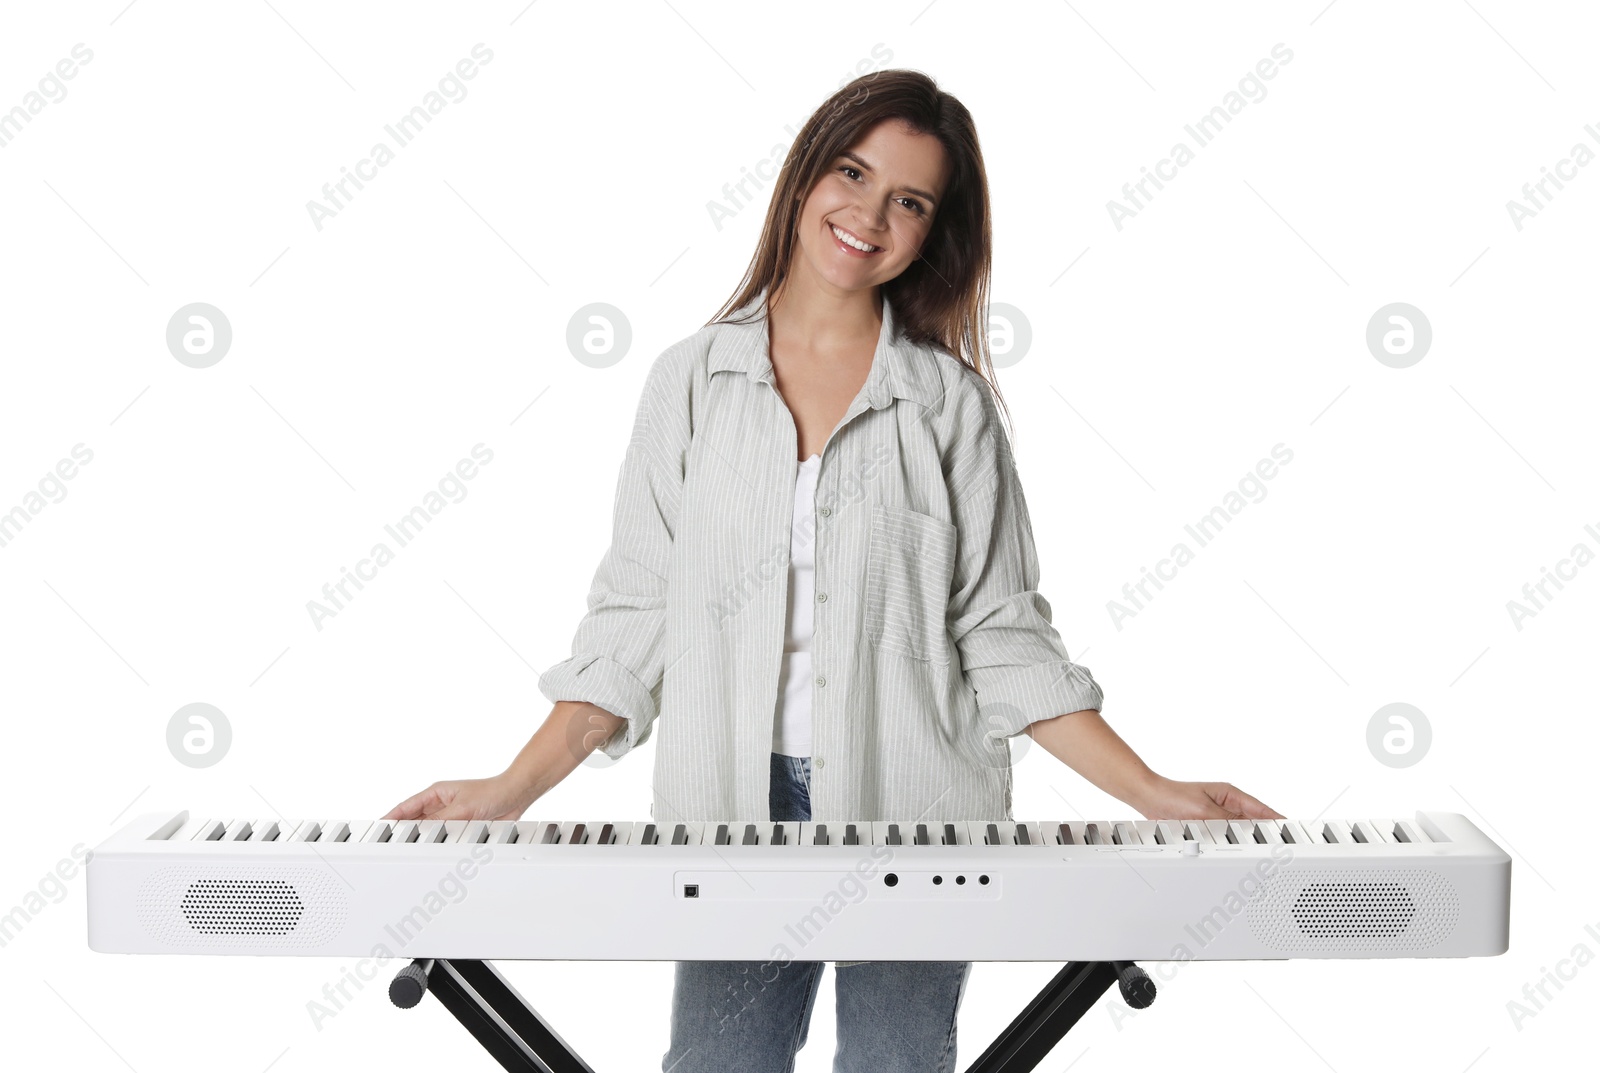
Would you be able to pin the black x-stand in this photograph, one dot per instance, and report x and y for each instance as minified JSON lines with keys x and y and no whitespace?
{"x":520,"y":1040}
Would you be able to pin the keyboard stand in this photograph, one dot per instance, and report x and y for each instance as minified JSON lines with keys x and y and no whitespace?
{"x":519,"y":1039}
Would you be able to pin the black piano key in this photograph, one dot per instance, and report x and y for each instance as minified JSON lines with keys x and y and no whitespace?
{"x":579,"y":837}
{"x":1091,"y":835}
{"x":850,"y":836}
{"x":777,"y":835}
{"x":991,"y":835}
{"x":950,"y":835}
{"x":723,"y":838}
{"x":821,"y":837}
{"x":680,"y":835}
{"x":894,"y":834}
{"x":552,"y":834}
{"x":1022,"y":835}
{"x":649,"y":838}
{"x":921,"y":837}
{"x":608,"y":834}
{"x":1064,"y":835}
{"x":750,"y":836}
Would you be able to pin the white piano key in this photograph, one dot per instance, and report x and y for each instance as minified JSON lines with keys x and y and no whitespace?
{"x":528,"y":831}
{"x":430,"y":831}
{"x":209,"y":831}
{"x":186,"y":833}
{"x":1219,"y":831}
{"x":1097,"y":832}
{"x":1243,"y":832}
{"x":336,"y":831}
{"x":404,"y":831}
{"x":1171,"y":832}
{"x":265,"y":831}
{"x":306,"y":832}
{"x":1270,"y":832}
{"x":1384,"y":829}
{"x":1125,"y":834}
{"x":378,"y":832}
{"x":238,"y":831}
{"x":1197,"y":831}
{"x":502,"y":832}
{"x":1146,"y":830}
{"x":1361,"y":831}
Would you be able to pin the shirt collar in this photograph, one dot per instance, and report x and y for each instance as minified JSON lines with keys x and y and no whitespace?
{"x":899,"y":368}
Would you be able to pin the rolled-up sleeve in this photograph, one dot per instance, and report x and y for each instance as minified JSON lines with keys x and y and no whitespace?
{"x":617,"y":652}
{"x":1000,"y":623}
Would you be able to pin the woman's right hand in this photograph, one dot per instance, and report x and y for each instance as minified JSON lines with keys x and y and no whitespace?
{"x":499,"y":798}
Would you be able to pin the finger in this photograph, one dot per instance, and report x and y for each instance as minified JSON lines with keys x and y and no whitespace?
{"x":1249,"y":807}
{"x":413,"y":807}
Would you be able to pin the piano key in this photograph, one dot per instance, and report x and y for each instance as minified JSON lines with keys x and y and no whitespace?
{"x":607,"y":835}
{"x":991,"y":834}
{"x":378,"y":832}
{"x":1125,"y":834}
{"x":1384,"y":829}
{"x":502,"y":832}
{"x":552,"y":834}
{"x":894,"y":834}
{"x":820,"y":836}
{"x":680,"y":835}
{"x":1197,"y":831}
{"x":751,"y":838}
{"x":306,"y":832}
{"x":1022,"y":836}
{"x":723,"y":838}
{"x":1336,"y":832}
{"x":1241,"y":832}
{"x":208,"y":831}
{"x":780,"y":835}
{"x":921,"y":838}
{"x":1170,"y":833}
{"x":336,"y":831}
{"x":579,"y":835}
{"x":1147,"y":831}
{"x":1064,"y":835}
{"x":649,"y":836}
{"x":238,"y":831}
{"x":949,"y":837}
{"x":430,"y":832}
{"x":852,"y":836}
{"x":1294,"y":831}
{"x":470,"y":832}
{"x":1093,"y":835}
{"x":1362,"y":831}
{"x":1268,"y":832}
{"x":1406,"y":831}
{"x":1219,"y":831}
{"x":264,"y":831}
{"x":404,"y":831}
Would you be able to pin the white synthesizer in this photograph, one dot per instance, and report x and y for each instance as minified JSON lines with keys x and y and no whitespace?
{"x":1429,"y":886}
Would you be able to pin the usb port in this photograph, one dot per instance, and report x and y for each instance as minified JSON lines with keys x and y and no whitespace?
{"x":691,"y":890}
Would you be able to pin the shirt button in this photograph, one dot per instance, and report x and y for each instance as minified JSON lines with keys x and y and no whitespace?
{"x":821,"y":681}
{"x":822,"y":597}
{"x":816,"y":761}
{"x":825,"y":511}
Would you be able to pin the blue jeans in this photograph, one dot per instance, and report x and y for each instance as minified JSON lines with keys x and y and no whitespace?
{"x":752,"y":1016}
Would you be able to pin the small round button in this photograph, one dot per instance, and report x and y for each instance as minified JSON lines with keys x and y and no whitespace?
{"x":822,"y":597}
{"x":821,"y":681}
{"x":816,"y":761}
{"x":825,"y":511}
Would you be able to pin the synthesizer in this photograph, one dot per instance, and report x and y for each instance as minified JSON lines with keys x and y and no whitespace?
{"x":1431,"y":885}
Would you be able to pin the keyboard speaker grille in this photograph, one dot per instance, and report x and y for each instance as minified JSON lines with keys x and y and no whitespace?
{"x":1356,"y":910}
{"x":282,"y":907}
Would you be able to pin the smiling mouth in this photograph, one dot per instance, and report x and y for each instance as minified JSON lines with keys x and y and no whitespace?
{"x":854,"y":243}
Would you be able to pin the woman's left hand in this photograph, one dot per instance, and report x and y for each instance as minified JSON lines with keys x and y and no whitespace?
{"x":1168,"y":799}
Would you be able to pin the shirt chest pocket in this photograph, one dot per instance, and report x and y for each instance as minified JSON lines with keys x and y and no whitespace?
{"x":910,"y":558}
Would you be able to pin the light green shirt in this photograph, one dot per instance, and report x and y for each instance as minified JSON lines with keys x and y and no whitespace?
{"x":931,"y":643}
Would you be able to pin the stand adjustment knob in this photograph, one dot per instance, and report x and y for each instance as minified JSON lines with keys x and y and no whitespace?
{"x":410,"y":984}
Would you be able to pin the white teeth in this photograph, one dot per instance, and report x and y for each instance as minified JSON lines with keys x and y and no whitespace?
{"x":848,"y":241}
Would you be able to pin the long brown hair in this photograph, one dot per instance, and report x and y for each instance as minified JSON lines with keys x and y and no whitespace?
{"x":942,"y":298}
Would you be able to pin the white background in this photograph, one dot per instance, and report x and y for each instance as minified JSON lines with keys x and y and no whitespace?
{"x":430,"y":315}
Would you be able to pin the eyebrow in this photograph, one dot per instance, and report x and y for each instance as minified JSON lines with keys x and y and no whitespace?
{"x":848,"y":155}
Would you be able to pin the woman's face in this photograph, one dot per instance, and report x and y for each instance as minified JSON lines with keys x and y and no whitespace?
{"x":882,"y":191}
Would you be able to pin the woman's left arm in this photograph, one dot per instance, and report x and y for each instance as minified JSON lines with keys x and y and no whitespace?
{"x":1087,"y":744}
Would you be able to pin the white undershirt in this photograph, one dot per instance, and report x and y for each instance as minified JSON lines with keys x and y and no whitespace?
{"x":791,"y":723}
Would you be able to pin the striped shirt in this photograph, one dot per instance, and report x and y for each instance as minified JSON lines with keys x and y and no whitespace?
{"x":931,"y":642}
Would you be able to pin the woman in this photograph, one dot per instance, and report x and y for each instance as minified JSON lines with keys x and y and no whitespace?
{"x":835,"y":431}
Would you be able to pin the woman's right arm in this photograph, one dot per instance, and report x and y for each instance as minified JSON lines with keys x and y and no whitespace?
{"x":571,"y":731}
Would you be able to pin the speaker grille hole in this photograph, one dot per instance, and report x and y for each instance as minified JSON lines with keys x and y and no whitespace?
{"x":1354,"y":911}
{"x":242,"y":907}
